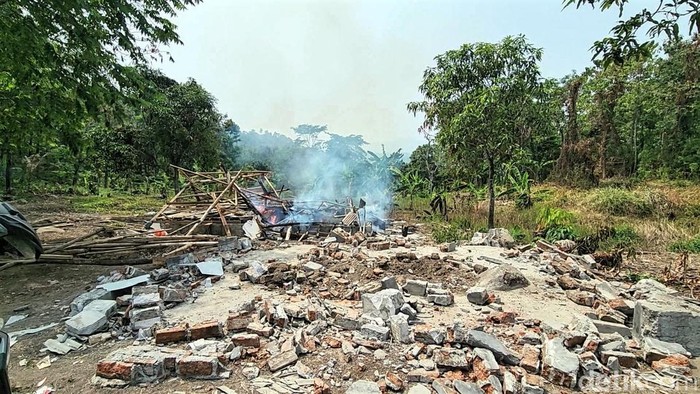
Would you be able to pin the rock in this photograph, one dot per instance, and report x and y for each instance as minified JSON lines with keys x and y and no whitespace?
{"x":440,"y":387}
{"x":574,"y":338}
{"x":430,"y":335}
{"x":80,"y":301}
{"x":530,"y":359}
{"x":467,"y":387}
{"x":174,"y":295}
{"x":254,"y":271}
{"x":427,"y":364}
{"x":627,"y":360}
{"x":419,"y":389}
{"x":566,"y":282}
{"x":373,"y":331}
{"x":422,"y":376}
{"x":510,"y":384}
{"x":282,"y":360}
{"x":499,"y":237}
{"x":532,"y":384}
{"x":448,"y":247}
{"x":669,"y":319}
{"x":623,"y":306}
{"x":478,"y":268}
{"x":251,"y":372}
{"x":442,"y":297}
{"x":485,"y":360}
{"x":565,"y":245}
{"x":478,"y":295}
{"x":605,"y":327}
{"x":581,"y":297}
{"x":503,"y":277}
{"x":398,"y":325}
{"x":363,"y":387}
{"x":379,"y":354}
{"x":606,"y":291}
{"x":310,"y":266}
{"x":651,"y":288}
{"x":389,"y":282}
{"x":676,"y":364}
{"x":482,"y":339}
{"x":613,"y":364}
{"x":613,"y":346}
{"x":86,"y":323}
{"x":495,"y":383}
{"x":144,"y":318}
{"x":530,"y":338}
{"x":382,"y":304}
{"x":654,"y":349}
{"x":408,"y":310}
{"x":415,"y":287}
{"x":450,"y":358}
{"x":559,"y":365}
{"x":605,"y":313}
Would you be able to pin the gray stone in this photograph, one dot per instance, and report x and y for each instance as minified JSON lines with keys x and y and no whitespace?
{"x":144,"y":300}
{"x":400,"y":332}
{"x":488,"y":360}
{"x":467,"y":387}
{"x":105,"y":307}
{"x":450,"y":358}
{"x":441,"y":388}
{"x":559,"y":366}
{"x":239,"y":265}
{"x":584,"y":324}
{"x":160,"y":274}
{"x":500,"y":237}
{"x":651,"y":288}
{"x":316,"y":326}
{"x":605,"y":327}
{"x":482,"y":339}
{"x":510,"y":383}
{"x":254,"y":272}
{"x":669,"y":319}
{"x":478,"y":295}
{"x":409,"y":311}
{"x":606,"y":291}
{"x":431,"y":335}
{"x":382,"y":304}
{"x":613,"y":364}
{"x":445,"y":299}
{"x":310,"y":266}
{"x":174,"y":295}
{"x":614,"y":346}
{"x":80,"y":301}
{"x":347,"y":322}
{"x":144,"y":318}
{"x":389,"y":282}
{"x":415,"y":287}
{"x":282,"y":360}
{"x":373,"y":331}
{"x":530,"y":338}
{"x":530,"y":388}
{"x":363,"y":387}
{"x":125,"y":284}
{"x":503,"y":277}
{"x":86,"y":323}
{"x":419,"y":389}
{"x":57,"y":347}
{"x":251,"y":373}
{"x":496,"y":386}
{"x":427,"y":364}
{"x":654,"y":349}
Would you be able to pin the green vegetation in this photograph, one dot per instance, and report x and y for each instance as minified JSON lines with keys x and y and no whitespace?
{"x":691,"y":245}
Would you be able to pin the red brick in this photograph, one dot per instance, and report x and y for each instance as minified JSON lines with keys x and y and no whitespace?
{"x":114,"y":370}
{"x":169,"y":335}
{"x":332,"y":342}
{"x":169,"y":364}
{"x":208,"y":329}
{"x":196,"y":366}
{"x":259,"y":329}
{"x":246,"y":340}
{"x":237,"y":322}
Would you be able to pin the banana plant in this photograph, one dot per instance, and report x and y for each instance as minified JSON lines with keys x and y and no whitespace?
{"x":519,"y":185}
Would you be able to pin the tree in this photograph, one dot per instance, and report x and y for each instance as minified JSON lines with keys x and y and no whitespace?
{"x":62,"y":60}
{"x":480,"y":99}
{"x":308,"y":135}
{"x":184,"y":123}
{"x":661,"y":21}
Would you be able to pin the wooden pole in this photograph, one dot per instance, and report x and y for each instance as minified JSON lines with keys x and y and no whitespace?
{"x":67,"y":244}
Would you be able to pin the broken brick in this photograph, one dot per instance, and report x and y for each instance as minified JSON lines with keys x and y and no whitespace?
{"x":530,"y":360}
{"x":196,"y":366}
{"x":208,"y":329}
{"x":237,"y":322}
{"x":114,"y":370}
{"x":170,"y":335}
{"x":246,"y":340}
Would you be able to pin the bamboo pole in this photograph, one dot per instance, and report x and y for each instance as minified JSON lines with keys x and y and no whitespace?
{"x":73,"y":242}
{"x":216,"y":200}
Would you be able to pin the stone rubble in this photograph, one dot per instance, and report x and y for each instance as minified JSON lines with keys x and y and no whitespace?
{"x":427,"y":337}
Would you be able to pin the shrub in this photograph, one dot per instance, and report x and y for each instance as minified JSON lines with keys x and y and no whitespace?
{"x":691,"y":245}
{"x":556,"y":223}
{"x":621,"y":237}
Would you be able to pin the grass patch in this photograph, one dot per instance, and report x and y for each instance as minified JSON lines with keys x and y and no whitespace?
{"x":119,"y":204}
{"x":691,"y":245}
{"x":621,"y":202}
{"x":621,"y":237}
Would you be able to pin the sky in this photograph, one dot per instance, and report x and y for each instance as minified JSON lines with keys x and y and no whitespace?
{"x":354,"y":65}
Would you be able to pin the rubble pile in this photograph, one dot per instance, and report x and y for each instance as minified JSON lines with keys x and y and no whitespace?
{"x":362,"y":314}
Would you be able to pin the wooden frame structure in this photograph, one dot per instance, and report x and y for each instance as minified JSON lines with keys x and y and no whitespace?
{"x":220,"y":195}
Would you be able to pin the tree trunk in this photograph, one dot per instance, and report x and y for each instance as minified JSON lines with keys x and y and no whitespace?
{"x":8,"y":171}
{"x":492,"y":195}
{"x":176,"y":180}
{"x":76,"y":171}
